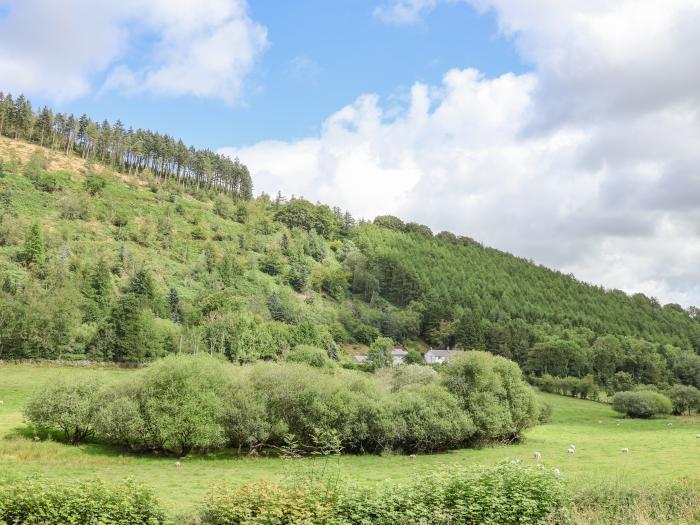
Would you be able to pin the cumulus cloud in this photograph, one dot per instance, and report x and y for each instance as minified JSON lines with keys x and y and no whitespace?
{"x":589,"y":163}
{"x":203,"y":48}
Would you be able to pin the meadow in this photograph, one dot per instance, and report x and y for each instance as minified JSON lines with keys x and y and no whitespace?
{"x":662,"y":450}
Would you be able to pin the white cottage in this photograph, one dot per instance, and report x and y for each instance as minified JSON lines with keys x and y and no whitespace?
{"x":438,"y":357}
{"x":398,"y":354}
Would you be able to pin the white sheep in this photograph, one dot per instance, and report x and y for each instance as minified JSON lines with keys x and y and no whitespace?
{"x":697,"y":436}
{"x":570,"y":450}
{"x":1,"y":402}
{"x":515,"y":461}
{"x":572,"y":446}
{"x":670,"y":424}
{"x":537,"y":456}
{"x":624,"y":450}
{"x":540,"y":466}
{"x":557,"y":473}
{"x":36,"y":438}
{"x":178,"y":464}
{"x":412,"y":456}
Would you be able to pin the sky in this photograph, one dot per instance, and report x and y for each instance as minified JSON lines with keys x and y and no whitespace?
{"x":563,"y":131}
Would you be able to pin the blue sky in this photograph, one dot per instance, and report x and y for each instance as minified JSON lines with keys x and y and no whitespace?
{"x":321,"y":55}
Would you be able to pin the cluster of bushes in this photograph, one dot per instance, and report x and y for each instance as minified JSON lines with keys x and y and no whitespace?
{"x":37,"y":501}
{"x":633,"y":400}
{"x":642,"y":403}
{"x":582,"y":387}
{"x":184,"y":403}
{"x":504,"y":495}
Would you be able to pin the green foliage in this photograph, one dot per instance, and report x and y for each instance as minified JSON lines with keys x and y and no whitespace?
{"x":38,"y":501}
{"x":685,"y":399}
{"x":34,"y":250}
{"x":642,"y":404}
{"x":66,"y":405}
{"x":176,"y":405}
{"x":184,"y":403}
{"x":95,"y":183}
{"x":502,"y":495}
{"x":582,"y":387}
{"x":265,"y":503}
{"x":494,"y":393}
{"x":310,"y":355}
{"x":379,"y":354}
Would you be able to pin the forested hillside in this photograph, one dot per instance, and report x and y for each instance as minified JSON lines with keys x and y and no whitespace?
{"x":111,"y":250}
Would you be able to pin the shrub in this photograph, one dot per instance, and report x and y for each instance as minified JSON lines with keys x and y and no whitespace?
{"x":685,"y":399}
{"x":175,"y":406}
{"x":38,"y":501}
{"x":310,"y":355}
{"x":427,"y":418}
{"x":66,"y":405}
{"x":95,"y":183}
{"x":493,"y":392}
{"x":642,"y":404}
{"x":412,"y":375}
{"x":265,"y":503}
{"x":503,"y":495}
{"x":75,"y":207}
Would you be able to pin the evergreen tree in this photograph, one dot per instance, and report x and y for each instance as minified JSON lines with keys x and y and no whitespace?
{"x":34,"y":250}
{"x":175,"y":308}
{"x":275,"y":306}
{"x":142,"y":285}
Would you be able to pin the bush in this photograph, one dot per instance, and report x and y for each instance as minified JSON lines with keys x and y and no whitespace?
{"x":685,"y":399}
{"x":75,"y":207}
{"x":70,"y":406}
{"x":494,"y":393}
{"x":642,"y":404}
{"x":503,"y":495}
{"x":37,"y":501}
{"x":176,"y":405}
{"x":265,"y":503}
{"x":95,"y":183}
{"x":310,"y":355}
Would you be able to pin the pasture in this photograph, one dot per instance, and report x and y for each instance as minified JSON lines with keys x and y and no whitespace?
{"x":660,"y":451}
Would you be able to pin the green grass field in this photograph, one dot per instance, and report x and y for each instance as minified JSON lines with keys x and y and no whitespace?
{"x":661,"y":450}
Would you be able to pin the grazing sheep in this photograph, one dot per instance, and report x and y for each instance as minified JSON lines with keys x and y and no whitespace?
{"x":537,"y":455}
{"x":570,"y":450}
{"x":540,"y":466}
{"x":697,"y":436}
{"x":557,"y":473}
{"x":515,"y":461}
{"x":36,"y":438}
{"x":670,"y":424}
{"x":572,"y":446}
{"x":1,"y":402}
{"x":624,"y":450}
{"x":178,"y":464}
{"x":412,"y":456}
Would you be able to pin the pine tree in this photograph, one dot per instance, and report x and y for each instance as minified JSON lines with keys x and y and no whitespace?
{"x":101,"y":284}
{"x":275,"y":306}
{"x":34,"y":250}
{"x":175,"y":308}
{"x":142,"y":285}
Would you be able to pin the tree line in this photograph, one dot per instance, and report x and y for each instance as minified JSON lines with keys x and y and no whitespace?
{"x":126,"y":150}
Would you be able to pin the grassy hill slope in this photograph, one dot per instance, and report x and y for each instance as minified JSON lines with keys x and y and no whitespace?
{"x":107,"y":266}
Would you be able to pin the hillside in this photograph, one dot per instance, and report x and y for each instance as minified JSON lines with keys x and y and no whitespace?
{"x":129,"y":266}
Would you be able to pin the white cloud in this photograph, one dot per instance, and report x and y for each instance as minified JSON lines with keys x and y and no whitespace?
{"x":404,"y":11}
{"x":203,"y":48}
{"x":588,"y":164}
